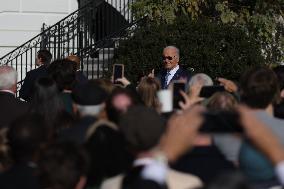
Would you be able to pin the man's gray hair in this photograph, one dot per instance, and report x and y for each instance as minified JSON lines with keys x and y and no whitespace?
{"x":8,"y":77}
{"x":173,"y":47}
{"x":202,"y":79}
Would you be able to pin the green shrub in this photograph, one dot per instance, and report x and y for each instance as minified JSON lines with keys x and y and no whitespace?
{"x":215,"y":49}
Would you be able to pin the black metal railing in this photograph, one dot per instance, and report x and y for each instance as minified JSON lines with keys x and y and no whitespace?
{"x":92,"y":32}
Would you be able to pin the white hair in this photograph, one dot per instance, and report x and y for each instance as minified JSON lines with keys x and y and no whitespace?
{"x":201,"y":79}
{"x":172,"y":47}
{"x":8,"y":77}
{"x":92,"y":110}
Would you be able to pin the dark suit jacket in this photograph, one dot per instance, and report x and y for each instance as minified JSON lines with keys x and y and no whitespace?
{"x":11,"y":108}
{"x":180,"y":74}
{"x":29,"y":81}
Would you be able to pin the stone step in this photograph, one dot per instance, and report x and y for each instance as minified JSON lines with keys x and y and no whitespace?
{"x":101,"y":62}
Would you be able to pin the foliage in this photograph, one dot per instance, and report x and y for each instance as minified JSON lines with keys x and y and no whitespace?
{"x":263,"y":19}
{"x":215,"y":49}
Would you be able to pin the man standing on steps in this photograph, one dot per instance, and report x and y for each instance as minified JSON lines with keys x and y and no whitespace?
{"x":172,"y":71}
{"x":11,"y":107}
{"x":43,"y":60}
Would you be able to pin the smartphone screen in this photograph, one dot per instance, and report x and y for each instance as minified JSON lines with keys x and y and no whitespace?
{"x":118,"y":70}
{"x":177,"y":87}
{"x":208,"y":91}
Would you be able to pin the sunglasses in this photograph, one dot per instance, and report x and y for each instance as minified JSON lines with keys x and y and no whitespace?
{"x":167,"y":57}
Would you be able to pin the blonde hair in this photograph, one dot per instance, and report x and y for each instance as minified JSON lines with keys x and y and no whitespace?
{"x":147,"y":89}
{"x":222,"y":101}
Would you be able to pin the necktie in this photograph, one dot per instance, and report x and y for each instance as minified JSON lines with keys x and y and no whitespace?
{"x":167,"y":79}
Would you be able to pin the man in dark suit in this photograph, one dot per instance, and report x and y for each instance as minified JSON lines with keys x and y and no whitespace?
{"x":172,"y":71}
{"x":43,"y":60}
{"x":11,"y":107}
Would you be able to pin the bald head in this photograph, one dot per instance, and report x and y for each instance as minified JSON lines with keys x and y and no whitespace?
{"x":172,"y":48}
{"x":8,"y":78}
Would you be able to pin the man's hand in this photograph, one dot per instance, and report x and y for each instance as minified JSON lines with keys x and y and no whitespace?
{"x":123,"y":80}
{"x":189,"y":101}
{"x":229,"y":85}
{"x":192,"y":98}
{"x":152,"y":74}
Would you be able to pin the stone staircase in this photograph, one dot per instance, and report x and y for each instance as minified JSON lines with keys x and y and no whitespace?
{"x":95,"y":66}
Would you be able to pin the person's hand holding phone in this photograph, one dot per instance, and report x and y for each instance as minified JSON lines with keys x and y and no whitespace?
{"x":194,"y":90}
{"x":123,"y":80}
{"x":188,"y":101}
{"x":177,"y":86}
{"x":117,"y":72}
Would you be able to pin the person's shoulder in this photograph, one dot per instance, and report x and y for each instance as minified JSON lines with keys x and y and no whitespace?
{"x":183,"y":73}
{"x":182,"y":70}
{"x":31,"y":72}
{"x":40,"y":71}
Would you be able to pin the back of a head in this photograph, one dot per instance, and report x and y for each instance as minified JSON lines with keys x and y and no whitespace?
{"x":279,"y":71}
{"x":107,"y":152}
{"x":61,"y":166}
{"x":105,"y":84}
{"x":147,"y":89}
{"x":118,"y":102}
{"x":142,"y":128}
{"x":222,"y":101}
{"x":8,"y":77}
{"x":45,"y":56}
{"x":89,"y":98}
{"x":202,"y":79}
{"x":25,"y":136}
{"x":75,"y":59}
{"x":258,"y":87}
{"x":63,"y":72}
{"x":45,"y":89}
{"x":45,"y":96}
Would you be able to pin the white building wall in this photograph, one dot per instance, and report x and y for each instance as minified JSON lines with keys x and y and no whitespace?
{"x":20,"y":20}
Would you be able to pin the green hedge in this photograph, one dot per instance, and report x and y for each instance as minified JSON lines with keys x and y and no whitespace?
{"x":215,"y":49}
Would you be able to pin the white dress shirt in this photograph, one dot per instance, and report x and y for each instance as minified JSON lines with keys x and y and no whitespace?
{"x":171,"y":74}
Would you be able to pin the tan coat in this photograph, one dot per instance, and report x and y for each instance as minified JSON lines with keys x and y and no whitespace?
{"x":175,"y":180}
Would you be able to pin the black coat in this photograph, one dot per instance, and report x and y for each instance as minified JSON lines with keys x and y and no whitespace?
{"x":11,"y":108}
{"x":26,"y":90}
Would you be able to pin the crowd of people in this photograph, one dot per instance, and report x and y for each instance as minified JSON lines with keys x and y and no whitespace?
{"x":67,"y":132}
